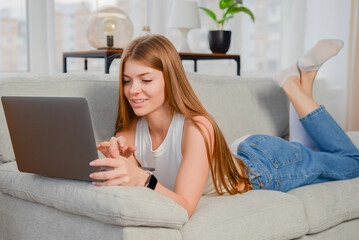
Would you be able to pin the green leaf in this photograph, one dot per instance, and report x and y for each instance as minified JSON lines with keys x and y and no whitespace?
{"x":238,"y":2}
{"x":241,"y":9}
{"x":223,"y":4}
{"x":225,"y":19}
{"x":209,"y":13}
{"x":229,"y":10}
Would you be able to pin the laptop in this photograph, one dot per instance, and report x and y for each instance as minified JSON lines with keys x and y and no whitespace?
{"x":51,"y":136}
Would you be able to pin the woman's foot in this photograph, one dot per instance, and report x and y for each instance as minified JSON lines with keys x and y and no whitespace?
{"x":307,"y":80}
{"x":281,"y":77}
{"x":289,"y":80}
{"x":319,"y":54}
{"x":302,"y":102}
{"x":304,"y":80}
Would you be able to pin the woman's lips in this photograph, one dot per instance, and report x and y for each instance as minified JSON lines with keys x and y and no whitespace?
{"x":138,"y":102}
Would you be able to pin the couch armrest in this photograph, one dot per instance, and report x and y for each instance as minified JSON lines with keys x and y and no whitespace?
{"x":354,"y":136}
{"x":125,"y":206}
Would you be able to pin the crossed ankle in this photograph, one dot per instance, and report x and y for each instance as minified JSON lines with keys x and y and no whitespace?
{"x":289,"y":73}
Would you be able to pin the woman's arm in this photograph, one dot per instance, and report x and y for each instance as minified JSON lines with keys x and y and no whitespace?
{"x":192,"y":174}
{"x":194,"y":169}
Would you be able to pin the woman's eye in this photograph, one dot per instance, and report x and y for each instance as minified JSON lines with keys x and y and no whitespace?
{"x":125,"y":81}
{"x":147,"y":80}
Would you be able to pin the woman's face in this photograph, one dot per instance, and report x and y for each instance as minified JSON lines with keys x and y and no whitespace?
{"x":144,"y":88}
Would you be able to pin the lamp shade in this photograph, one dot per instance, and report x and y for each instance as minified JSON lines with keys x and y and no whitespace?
{"x":109,"y":27}
{"x":184,"y":14}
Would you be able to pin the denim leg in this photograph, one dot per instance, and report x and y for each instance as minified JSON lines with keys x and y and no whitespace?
{"x":282,"y":165}
{"x":327,"y":134}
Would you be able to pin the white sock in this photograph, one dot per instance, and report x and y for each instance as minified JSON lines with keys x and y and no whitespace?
{"x":283,"y":75}
{"x":319,"y":54}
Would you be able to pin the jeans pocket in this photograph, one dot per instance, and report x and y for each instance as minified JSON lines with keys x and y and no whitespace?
{"x":280,"y":152}
{"x":257,"y":172}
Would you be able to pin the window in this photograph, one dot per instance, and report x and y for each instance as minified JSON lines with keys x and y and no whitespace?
{"x":273,"y":24}
{"x":13,"y":32}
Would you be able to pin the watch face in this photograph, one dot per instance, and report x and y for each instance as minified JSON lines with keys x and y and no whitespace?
{"x":151,"y":182}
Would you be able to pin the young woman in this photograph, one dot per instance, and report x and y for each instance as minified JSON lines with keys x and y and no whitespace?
{"x":162,"y":124}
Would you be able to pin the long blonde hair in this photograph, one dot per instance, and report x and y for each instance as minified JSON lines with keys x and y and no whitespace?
{"x":157,"y":52}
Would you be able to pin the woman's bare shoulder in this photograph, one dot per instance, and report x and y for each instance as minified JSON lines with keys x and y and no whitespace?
{"x":190,"y":130}
{"x":203,"y":122}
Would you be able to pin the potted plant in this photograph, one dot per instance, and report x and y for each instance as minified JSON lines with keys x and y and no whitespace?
{"x":220,"y":40}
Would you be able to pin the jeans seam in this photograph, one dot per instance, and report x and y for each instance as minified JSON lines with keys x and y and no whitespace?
{"x":314,"y":173}
{"x":263,"y":151}
{"x":336,"y":174}
{"x":259,"y":139}
{"x":298,"y":177}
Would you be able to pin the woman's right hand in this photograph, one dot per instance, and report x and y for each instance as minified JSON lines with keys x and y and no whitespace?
{"x":116,"y":147}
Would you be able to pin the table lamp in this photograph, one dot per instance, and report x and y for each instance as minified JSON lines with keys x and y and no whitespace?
{"x":109,"y":27}
{"x":184,"y":16}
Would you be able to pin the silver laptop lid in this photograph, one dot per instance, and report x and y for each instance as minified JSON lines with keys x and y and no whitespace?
{"x":51,"y":136}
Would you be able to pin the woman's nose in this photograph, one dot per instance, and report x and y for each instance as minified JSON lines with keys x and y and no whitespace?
{"x":135,"y":87}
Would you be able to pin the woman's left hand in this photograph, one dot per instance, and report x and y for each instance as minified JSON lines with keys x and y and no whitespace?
{"x":124,"y":173}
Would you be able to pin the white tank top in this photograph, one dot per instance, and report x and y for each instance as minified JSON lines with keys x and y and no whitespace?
{"x":167,"y":158}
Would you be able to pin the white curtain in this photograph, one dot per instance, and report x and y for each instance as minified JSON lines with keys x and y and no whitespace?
{"x":352,"y":118}
{"x":273,"y":42}
{"x":41,"y":36}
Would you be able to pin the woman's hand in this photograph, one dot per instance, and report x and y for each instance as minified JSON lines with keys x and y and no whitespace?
{"x":124,"y":173}
{"x":116,"y":147}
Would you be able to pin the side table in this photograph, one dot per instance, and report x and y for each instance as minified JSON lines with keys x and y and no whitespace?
{"x":110,"y":54}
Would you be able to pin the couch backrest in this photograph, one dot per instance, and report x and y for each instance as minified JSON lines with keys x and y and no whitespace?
{"x":243,"y":106}
{"x":240,"y":106}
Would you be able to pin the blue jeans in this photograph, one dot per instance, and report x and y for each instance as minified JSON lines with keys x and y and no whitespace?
{"x":282,"y":165}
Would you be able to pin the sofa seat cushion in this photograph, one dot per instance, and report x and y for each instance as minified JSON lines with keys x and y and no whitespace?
{"x":125,"y":206}
{"x":258,"y":214}
{"x":328,"y":204}
{"x":20,"y":220}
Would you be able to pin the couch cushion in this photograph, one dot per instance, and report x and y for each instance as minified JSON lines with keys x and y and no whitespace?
{"x":125,"y":206}
{"x":21,"y":220}
{"x":100,"y":90}
{"x":242,"y":105}
{"x":328,"y":204}
{"x":258,"y":214}
{"x":345,"y":231}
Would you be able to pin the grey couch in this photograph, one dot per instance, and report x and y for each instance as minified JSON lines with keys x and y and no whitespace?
{"x":37,"y":207}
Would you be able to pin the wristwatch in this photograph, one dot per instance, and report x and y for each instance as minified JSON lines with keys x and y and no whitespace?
{"x":151,"y":181}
